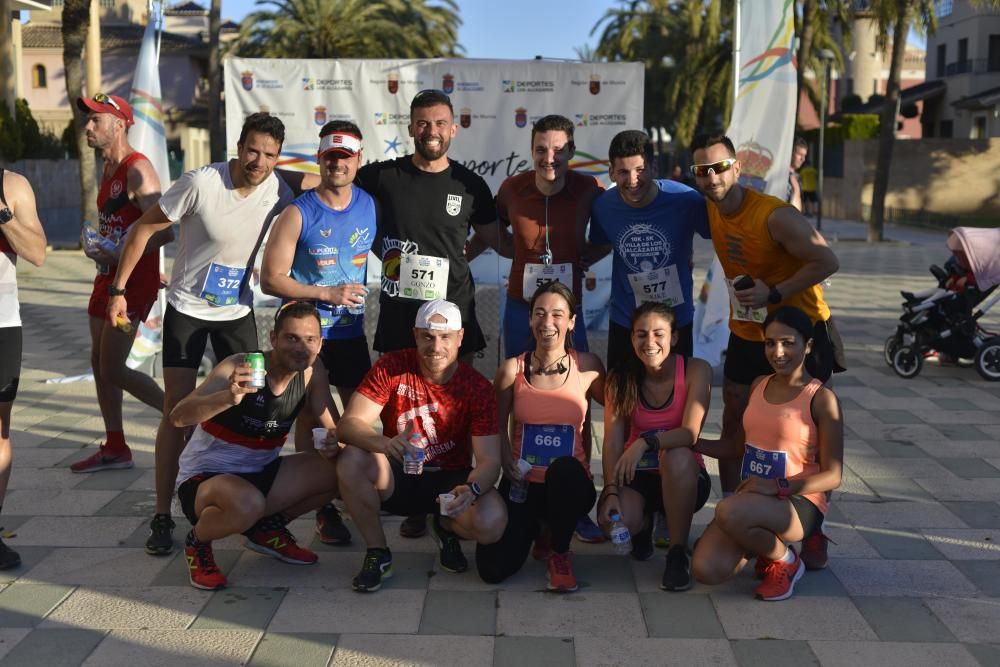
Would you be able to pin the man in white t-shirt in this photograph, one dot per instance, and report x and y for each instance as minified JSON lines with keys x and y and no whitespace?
{"x":223,"y":210}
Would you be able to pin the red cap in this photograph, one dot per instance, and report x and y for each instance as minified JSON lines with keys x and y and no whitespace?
{"x":112,"y":104}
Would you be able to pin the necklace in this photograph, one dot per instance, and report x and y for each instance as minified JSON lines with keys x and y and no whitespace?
{"x":544,"y":369}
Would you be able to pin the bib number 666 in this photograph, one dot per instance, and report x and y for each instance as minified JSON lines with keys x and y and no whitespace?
{"x":547,"y":440}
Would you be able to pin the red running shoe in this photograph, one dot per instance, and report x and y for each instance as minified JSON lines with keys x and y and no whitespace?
{"x":280,"y":544}
{"x":202,"y":570}
{"x":780,"y":578}
{"x":560,"y":574}
{"x":103,"y":460}
{"x":542,"y":548}
{"x":814,"y":551}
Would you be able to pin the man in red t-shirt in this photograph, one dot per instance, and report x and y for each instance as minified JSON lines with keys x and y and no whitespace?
{"x":423,"y":396}
{"x":129,"y":186}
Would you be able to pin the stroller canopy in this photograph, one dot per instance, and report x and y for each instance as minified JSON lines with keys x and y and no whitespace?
{"x":982,"y":247}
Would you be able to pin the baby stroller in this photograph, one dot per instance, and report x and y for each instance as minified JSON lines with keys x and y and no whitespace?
{"x":945,"y":319}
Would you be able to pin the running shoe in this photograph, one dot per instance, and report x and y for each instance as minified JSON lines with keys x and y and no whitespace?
{"x":161,"y":540}
{"x":330,"y":526}
{"x":450,"y":549}
{"x":104,"y":460}
{"x":542,"y":548}
{"x":814,"y":551}
{"x":8,"y":557}
{"x":588,"y":531}
{"x":780,"y":578}
{"x":560,"y":574}
{"x":279,"y":543}
{"x":202,"y":570}
{"x":413,"y":526}
{"x":760,"y":567}
{"x":642,"y":544}
{"x":376,"y":568}
{"x":661,"y":536}
{"x":677,"y":572}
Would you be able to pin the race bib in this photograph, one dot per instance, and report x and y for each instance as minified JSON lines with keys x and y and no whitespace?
{"x":222,"y":285}
{"x":423,"y":277}
{"x":536,"y":275}
{"x":660,"y":285}
{"x":741,"y":312}
{"x":762,"y":463}
{"x":541,"y":444}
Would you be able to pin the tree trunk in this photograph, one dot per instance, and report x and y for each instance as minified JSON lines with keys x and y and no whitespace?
{"x":75,"y":23}
{"x":887,"y":126}
{"x":804,"y":52}
{"x":217,"y":140}
{"x":7,"y":57}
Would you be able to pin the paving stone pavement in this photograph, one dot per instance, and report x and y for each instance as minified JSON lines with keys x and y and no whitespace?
{"x":914,"y":577}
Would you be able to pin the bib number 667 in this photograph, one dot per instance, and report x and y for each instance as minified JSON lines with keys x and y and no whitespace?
{"x":760,"y":469}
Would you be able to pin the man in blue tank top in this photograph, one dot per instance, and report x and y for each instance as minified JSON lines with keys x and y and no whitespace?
{"x":318,"y":251}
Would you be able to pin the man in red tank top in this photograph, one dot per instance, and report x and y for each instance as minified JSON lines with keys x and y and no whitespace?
{"x":129,"y":185}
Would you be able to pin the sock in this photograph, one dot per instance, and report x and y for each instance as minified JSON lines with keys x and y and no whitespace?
{"x":789,"y":556}
{"x":115,"y":442}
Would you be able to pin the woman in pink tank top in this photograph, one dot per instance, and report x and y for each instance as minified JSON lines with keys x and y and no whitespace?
{"x":793,"y":456}
{"x":542,"y":401}
{"x":654,"y":408}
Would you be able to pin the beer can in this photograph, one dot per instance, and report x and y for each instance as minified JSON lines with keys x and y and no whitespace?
{"x":256,"y":362}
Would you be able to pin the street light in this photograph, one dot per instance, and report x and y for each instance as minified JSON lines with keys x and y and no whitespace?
{"x":827,"y":57}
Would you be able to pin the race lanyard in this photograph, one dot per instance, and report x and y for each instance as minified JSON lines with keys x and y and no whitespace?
{"x":423,"y":277}
{"x":541,"y":444}
{"x":763,"y":463}
{"x":222,"y":285}
{"x":660,"y":285}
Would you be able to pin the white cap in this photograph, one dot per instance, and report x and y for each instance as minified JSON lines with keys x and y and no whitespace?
{"x":446,"y":309}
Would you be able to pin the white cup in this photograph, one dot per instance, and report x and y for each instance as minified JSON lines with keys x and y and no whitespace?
{"x":319,"y":438}
{"x":445,"y":499}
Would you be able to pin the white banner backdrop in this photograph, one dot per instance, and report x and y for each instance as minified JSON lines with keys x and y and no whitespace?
{"x":496,"y":102}
{"x":763,"y":130}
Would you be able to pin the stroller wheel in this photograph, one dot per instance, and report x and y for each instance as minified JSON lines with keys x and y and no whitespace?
{"x":988,"y":360}
{"x":892,"y":343}
{"x":907,"y":362}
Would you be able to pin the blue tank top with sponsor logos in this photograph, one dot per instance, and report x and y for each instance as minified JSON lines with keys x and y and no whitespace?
{"x":332,"y":250}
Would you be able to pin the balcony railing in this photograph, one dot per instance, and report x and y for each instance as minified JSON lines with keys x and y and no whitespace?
{"x":972,"y":66}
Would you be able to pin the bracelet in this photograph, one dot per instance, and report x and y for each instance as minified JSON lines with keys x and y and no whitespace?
{"x":610,"y":494}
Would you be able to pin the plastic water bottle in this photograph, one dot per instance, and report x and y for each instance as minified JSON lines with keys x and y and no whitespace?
{"x":519,"y":487}
{"x":413,"y":458}
{"x":89,"y":235}
{"x":620,"y":537}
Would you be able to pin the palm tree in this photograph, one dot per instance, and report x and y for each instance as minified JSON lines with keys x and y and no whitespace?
{"x":814,"y":26}
{"x":75,"y":23}
{"x":216,"y":138}
{"x":350,"y":29}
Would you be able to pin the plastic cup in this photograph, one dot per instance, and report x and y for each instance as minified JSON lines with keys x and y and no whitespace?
{"x":319,"y":437}
{"x":445,"y":499}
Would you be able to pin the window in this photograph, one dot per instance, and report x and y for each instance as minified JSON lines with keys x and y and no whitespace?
{"x":963,"y":54}
{"x":38,"y":78}
{"x":993,"y":57}
{"x":978,"y":130}
{"x":942,"y":56}
{"x":107,"y":4}
{"x":943,"y":8}
{"x":946,"y":129}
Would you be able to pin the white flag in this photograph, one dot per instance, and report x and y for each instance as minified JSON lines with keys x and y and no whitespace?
{"x":147,"y":135}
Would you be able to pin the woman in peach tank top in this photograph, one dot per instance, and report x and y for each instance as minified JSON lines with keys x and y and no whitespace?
{"x":793,"y":456}
{"x":542,"y":401}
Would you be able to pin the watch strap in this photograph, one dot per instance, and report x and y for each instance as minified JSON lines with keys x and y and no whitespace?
{"x":652,"y":442}
{"x":114,"y":291}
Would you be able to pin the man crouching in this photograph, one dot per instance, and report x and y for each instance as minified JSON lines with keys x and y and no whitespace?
{"x":231,"y":477}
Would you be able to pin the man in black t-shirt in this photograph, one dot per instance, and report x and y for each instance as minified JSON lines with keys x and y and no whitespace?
{"x":428,"y":205}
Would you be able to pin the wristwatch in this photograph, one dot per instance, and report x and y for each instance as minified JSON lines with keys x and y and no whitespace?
{"x":774,"y":296}
{"x":783,"y":490}
{"x":476,"y":489}
{"x":114,"y":291}
{"x":6,"y":215}
{"x":652,"y":442}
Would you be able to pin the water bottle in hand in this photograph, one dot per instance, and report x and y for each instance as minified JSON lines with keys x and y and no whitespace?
{"x":413,"y":457}
{"x":620,"y":537}
{"x":519,"y":487}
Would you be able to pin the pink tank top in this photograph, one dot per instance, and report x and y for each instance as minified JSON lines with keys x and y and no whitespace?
{"x":781,"y":440}
{"x":664,"y":418}
{"x":552,"y":420}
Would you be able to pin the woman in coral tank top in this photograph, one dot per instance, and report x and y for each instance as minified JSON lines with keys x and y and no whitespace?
{"x":794,"y":455}
{"x":542,"y":401}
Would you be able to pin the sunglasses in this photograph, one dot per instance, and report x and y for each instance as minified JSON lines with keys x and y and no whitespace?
{"x":294,"y":302}
{"x":101,"y":98}
{"x":720,"y":167}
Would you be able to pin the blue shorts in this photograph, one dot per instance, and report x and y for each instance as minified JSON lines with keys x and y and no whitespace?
{"x":517,"y":338}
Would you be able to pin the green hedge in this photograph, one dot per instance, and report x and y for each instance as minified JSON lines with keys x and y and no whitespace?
{"x":851,"y":126}
{"x":22,"y":139}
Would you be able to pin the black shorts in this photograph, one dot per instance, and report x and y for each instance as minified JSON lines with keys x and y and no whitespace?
{"x":620,"y":343}
{"x":746,"y":361}
{"x":417,"y":494}
{"x":649,"y":485}
{"x":10,"y":363}
{"x":394,"y":330}
{"x":347,"y":360}
{"x":185,"y":338}
{"x":262,"y":480}
{"x":809,"y":515}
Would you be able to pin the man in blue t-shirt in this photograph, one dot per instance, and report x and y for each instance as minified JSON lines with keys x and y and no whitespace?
{"x":650,"y":225}
{"x":318,"y":251}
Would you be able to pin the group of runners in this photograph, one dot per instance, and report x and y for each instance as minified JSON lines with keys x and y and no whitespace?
{"x":426,"y":216}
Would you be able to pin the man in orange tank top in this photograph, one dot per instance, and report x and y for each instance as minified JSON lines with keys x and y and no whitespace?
{"x":781,"y":259}
{"x":129,"y":186}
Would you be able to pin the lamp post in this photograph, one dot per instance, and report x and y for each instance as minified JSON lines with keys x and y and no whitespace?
{"x":826,"y":56}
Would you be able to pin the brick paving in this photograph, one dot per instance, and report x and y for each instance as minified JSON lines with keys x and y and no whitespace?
{"x":914,"y":577}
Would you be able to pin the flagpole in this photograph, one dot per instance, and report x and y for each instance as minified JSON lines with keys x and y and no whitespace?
{"x":737,"y":43}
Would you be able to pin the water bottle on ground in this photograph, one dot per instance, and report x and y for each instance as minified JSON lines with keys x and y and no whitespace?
{"x":621,"y":540}
{"x":413,"y":458}
{"x":519,"y":487}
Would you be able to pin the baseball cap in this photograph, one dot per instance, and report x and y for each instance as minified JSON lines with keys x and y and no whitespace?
{"x":112,"y":104}
{"x":343,"y":143}
{"x":446,"y":309}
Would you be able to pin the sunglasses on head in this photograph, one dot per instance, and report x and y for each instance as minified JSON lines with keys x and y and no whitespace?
{"x":101,"y":98}
{"x":722,"y":166}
